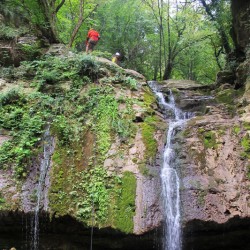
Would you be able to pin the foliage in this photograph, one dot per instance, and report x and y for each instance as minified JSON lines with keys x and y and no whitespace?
{"x":190,"y":37}
{"x":68,"y":18}
{"x":18,"y":115}
{"x":236,"y":130}
{"x":8,"y":32}
{"x":89,"y":191}
{"x":245,"y":143}
{"x":88,"y":67}
{"x":103,"y":107}
{"x":104,"y":54}
{"x":31,"y":51}
{"x":132,"y":83}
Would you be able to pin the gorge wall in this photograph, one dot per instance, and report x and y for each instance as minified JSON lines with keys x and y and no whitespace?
{"x":213,"y":160}
{"x":213,"y":151}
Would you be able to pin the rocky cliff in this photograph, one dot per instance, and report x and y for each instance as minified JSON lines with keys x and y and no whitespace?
{"x":101,"y":156}
{"x":107,"y":136}
{"x":213,"y":160}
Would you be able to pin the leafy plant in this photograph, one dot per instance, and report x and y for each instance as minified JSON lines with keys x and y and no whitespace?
{"x":87,"y":66}
{"x":131,"y":82}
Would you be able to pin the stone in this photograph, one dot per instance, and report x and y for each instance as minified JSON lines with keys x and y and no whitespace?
{"x":225,"y":76}
{"x":2,"y":83}
{"x":108,"y":163}
{"x":133,"y":73}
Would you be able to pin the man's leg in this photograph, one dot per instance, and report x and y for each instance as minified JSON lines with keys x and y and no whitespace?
{"x":87,"y":47}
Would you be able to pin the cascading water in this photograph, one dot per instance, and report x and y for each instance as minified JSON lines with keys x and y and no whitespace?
{"x":48,"y":149}
{"x":169,"y":174}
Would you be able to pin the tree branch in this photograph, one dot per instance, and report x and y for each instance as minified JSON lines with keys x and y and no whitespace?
{"x":59,"y":6}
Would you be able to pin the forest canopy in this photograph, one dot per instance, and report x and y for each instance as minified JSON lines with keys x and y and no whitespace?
{"x":162,"y":39}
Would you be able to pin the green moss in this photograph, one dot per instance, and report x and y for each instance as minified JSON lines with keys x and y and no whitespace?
{"x":143,"y":169}
{"x":246,"y":125}
{"x":126,"y":204}
{"x":245,"y":143}
{"x":175,"y":91}
{"x":210,"y":140}
{"x":148,"y":131}
{"x":87,"y":192}
{"x":201,"y":197}
{"x":148,"y":97}
{"x":226,"y":96}
{"x":186,"y":132}
{"x":201,"y":130}
{"x":236,"y":130}
{"x":59,"y":202}
{"x":2,"y":202}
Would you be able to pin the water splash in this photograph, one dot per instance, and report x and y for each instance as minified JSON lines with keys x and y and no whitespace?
{"x":48,"y":148}
{"x":169,"y":174}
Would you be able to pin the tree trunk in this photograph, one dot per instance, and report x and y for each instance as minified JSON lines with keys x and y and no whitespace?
{"x":49,"y":11}
{"x":78,"y":25}
{"x":223,"y":35}
{"x":168,"y":70}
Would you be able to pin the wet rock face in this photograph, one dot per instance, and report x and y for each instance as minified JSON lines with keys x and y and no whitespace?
{"x":188,"y":94}
{"x":215,"y":184}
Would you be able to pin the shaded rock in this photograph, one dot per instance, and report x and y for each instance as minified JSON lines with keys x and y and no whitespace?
{"x":133,"y":73}
{"x":26,"y":47}
{"x":67,"y":233}
{"x":241,"y":29}
{"x":225,"y":77}
{"x":7,"y":54}
{"x":188,"y":94}
{"x":2,"y":83}
{"x":3,"y":139}
{"x":183,"y":85}
{"x":58,"y":49}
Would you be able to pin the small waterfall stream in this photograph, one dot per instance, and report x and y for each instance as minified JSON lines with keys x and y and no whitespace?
{"x":169,"y":174}
{"x":42,"y":200}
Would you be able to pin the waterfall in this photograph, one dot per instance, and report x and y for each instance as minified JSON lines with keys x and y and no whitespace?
{"x":169,"y":174}
{"x":48,"y":149}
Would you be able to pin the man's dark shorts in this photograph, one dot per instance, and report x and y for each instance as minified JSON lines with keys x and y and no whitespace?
{"x":92,"y":43}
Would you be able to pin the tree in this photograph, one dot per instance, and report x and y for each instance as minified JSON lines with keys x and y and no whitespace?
{"x":50,"y":10}
{"x":216,"y":10}
{"x":80,"y":21}
{"x":75,"y":18}
{"x":128,"y":28}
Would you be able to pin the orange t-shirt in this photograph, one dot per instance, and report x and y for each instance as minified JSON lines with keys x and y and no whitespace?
{"x":94,"y":35}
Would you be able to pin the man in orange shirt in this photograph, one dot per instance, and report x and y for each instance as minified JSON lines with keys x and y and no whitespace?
{"x":92,"y":39}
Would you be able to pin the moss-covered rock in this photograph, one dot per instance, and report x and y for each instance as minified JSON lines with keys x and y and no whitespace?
{"x":126,"y":204}
{"x":91,"y":118}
